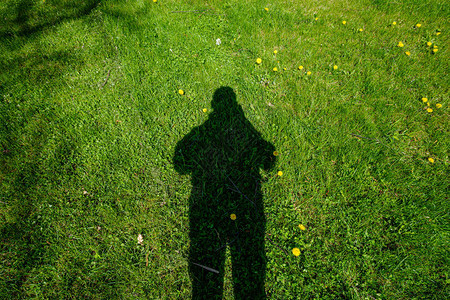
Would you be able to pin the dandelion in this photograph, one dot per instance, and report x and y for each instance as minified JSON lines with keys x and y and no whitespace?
{"x":275,"y":51}
{"x":438,"y":33}
{"x":424,"y":99}
{"x":429,"y":44}
{"x":418,"y":25}
{"x":308,"y":73}
{"x":300,"y":67}
{"x":280,"y":173}
{"x":275,"y":153}
{"x":285,"y":69}
{"x":431,"y":160}
{"x":430,"y":110}
{"x":408,"y":53}
{"x":428,"y":103}
{"x":435,"y":50}
{"x":258,"y":60}
{"x":344,"y":22}
{"x":233,"y":217}
{"x":316,"y":18}
{"x":335,"y":67}
{"x":361,"y":30}
{"x":181,"y":92}
{"x":400,"y":44}
{"x":302,"y":227}
{"x":155,"y":1}
{"x":266,"y":8}
{"x":438,"y":105}
{"x":204,"y":110}
{"x":296,"y":251}
{"x":394,"y":23}
{"x":140,"y":239}
{"x":275,"y":69}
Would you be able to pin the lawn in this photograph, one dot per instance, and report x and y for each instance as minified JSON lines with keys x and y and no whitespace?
{"x":151,"y":149}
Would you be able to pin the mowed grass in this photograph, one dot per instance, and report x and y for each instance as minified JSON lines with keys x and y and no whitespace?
{"x":90,"y":116}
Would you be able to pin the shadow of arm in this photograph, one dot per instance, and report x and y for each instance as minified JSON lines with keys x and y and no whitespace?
{"x":268,"y":159}
{"x":183,"y":158}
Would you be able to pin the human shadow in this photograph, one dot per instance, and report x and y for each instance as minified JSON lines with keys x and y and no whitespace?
{"x":224,"y":156}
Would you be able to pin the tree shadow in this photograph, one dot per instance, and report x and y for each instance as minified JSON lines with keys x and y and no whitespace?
{"x":26,"y":17}
{"x":26,"y":225}
{"x":224,"y":156}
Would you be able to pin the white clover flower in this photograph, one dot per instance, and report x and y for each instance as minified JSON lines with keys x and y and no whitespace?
{"x":140,"y":239}
{"x":218,"y":42}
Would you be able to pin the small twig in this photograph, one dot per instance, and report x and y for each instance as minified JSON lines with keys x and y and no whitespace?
{"x":273,"y":243}
{"x":372,"y":139}
{"x":206,"y":268}
{"x":106,"y":80}
{"x":399,"y":263}
{"x":226,"y":244}
{"x":243,"y":49}
{"x":363,"y":137}
{"x":197,"y":11}
{"x":256,"y":208}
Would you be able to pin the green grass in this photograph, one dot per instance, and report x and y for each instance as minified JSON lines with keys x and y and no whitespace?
{"x":90,"y":118}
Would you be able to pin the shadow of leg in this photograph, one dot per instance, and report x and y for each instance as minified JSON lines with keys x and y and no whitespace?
{"x":206,"y":251}
{"x":249,"y":262}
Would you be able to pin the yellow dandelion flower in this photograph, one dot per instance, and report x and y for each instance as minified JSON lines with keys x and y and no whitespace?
{"x":280,"y":173}
{"x":258,"y":60}
{"x":429,"y":44}
{"x":418,"y":25}
{"x":430,"y":110}
{"x":335,"y":67}
{"x":438,"y":33}
{"x":431,"y":160}
{"x":275,"y":51}
{"x":394,"y":23}
{"x":300,"y":67}
{"x":408,"y":53}
{"x":344,"y":22}
{"x":302,"y":227}
{"x":435,"y":50}
{"x":233,"y":217}
{"x":204,"y":110}
{"x":181,"y":92}
{"x":400,"y":44}
{"x":275,"y":153}
{"x":435,"y":46}
{"x":285,"y":69}
{"x":275,"y":69}
{"x":296,"y":251}
{"x":361,"y":30}
{"x":424,"y":99}
{"x":428,"y":103}
{"x":438,"y":105}
{"x":308,"y":73}
{"x":155,"y":1}
{"x":266,"y":8}
{"x":316,"y":19}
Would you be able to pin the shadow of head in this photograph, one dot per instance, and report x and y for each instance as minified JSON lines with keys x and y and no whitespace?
{"x":224,"y":99}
